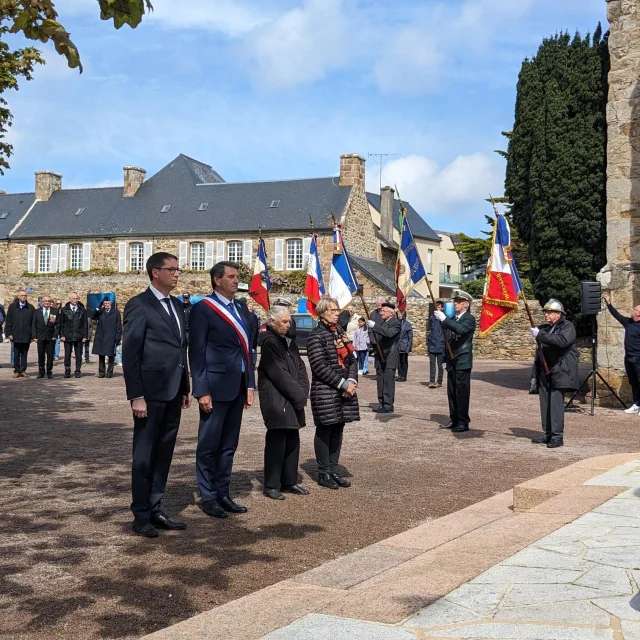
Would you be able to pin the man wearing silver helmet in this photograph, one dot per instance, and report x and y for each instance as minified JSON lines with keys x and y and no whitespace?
{"x":556,"y":340}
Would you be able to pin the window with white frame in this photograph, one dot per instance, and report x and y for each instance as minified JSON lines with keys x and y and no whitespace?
{"x":294,"y":253}
{"x":197,"y":256}
{"x":76,"y":257}
{"x":429,"y":260}
{"x":136,"y":256}
{"x":44,"y":259}
{"x":234,"y":251}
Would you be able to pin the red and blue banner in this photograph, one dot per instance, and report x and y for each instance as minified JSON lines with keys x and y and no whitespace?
{"x":260,"y":283}
{"x":314,"y":285}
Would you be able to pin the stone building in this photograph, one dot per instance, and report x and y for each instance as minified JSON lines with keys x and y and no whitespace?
{"x":52,"y":240}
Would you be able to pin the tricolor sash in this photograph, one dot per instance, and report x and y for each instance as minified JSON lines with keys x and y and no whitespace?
{"x":223,"y":312}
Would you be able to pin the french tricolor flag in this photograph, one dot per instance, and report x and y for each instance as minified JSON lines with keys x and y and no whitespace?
{"x":314,"y":285}
{"x":343,"y":282}
{"x":260,"y":283}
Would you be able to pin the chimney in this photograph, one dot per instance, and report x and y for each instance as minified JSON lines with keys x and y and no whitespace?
{"x":46,"y":183}
{"x":133,"y":179}
{"x":387,"y":212}
{"x":352,"y":170}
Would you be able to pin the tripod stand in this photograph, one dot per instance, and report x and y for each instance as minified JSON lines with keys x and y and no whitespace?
{"x":594,"y":374}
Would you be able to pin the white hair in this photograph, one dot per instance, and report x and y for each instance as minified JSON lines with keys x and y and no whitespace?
{"x":276,"y":311}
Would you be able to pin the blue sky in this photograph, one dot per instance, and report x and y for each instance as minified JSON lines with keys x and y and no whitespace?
{"x":278,"y":89}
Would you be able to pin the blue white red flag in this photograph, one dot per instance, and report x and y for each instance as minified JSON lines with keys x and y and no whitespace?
{"x":503,"y":285}
{"x":343,"y":282}
{"x":409,"y":269}
{"x":260,"y":283}
{"x":314,"y":284}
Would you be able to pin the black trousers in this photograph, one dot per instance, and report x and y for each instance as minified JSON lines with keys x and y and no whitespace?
{"x":403,"y":365}
{"x":45,"y":349}
{"x":386,"y":383}
{"x":327,"y":444}
{"x":551,"y":409}
{"x":632,"y":367}
{"x":154,"y":439}
{"x":458,"y":393}
{"x":77,"y":350}
{"x":20,"y":351}
{"x":435,"y":362}
{"x":281,"y":456}
{"x":101,"y":359}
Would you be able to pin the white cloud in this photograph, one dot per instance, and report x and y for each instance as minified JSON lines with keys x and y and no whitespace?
{"x":467,"y":180}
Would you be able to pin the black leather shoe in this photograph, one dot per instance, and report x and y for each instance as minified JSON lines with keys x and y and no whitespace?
{"x":448,"y":426}
{"x":378,"y":409}
{"x":67,"y":374}
{"x":145,"y":529}
{"x":325,"y":480}
{"x":554,"y":444}
{"x":163,"y":521}
{"x":109,"y":375}
{"x":40,"y":375}
{"x":232,"y":507}
{"x":77,"y":374}
{"x":274,"y":494}
{"x":49,"y":375}
{"x":340,"y":481}
{"x":297,"y":489}
{"x":460,"y":428}
{"x":386,"y":409}
{"x":212,"y":508}
{"x":543,"y":440}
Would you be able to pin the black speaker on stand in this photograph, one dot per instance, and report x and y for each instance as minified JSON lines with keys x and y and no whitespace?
{"x":591,"y":305}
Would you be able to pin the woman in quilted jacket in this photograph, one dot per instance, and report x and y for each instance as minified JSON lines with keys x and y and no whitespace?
{"x":334,"y":384}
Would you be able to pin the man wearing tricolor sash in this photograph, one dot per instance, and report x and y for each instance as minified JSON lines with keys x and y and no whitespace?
{"x":220,"y":337}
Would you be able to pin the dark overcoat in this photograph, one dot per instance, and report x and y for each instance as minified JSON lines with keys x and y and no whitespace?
{"x":74,"y":326}
{"x":435,"y":343}
{"x":283,"y":384}
{"x":19,"y":322}
{"x":387,"y":335}
{"x":327,"y":404}
{"x":558,"y":344}
{"x":108,"y":332}
{"x":460,"y":340}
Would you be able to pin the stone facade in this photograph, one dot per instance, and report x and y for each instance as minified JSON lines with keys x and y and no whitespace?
{"x":621,"y":275}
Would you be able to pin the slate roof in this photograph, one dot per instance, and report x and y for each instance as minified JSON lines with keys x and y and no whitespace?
{"x":377,"y":272}
{"x":455,"y":237}
{"x":232,"y":207}
{"x":16,"y":205}
{"x":419,"y":226}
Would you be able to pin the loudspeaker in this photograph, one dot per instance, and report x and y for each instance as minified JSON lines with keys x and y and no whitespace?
{"x":590,"y":298}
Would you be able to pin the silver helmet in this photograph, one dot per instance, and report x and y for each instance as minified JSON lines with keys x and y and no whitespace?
{"x":554,"y":305}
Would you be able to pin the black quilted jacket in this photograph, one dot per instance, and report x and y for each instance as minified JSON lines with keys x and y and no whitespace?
{"x":327,"y":404}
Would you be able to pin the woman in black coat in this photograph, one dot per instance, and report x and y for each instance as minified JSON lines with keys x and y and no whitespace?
{"x":107,"y":337}
{"x":334,"y":382}
{"x":283,"y":388}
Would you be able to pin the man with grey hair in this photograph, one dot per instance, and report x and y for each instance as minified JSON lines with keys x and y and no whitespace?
{"x":19,"y":330}
{"x":74,"y":332}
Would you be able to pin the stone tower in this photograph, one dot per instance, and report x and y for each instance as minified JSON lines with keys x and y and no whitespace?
{"x":621,"y":276}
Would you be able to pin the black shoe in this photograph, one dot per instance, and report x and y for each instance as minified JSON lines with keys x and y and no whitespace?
{"x":554,"y":444}
{"x":163,"y":521}
{"x":100,"y":376}
{"x":77,"y":374}
{"x":40,"y":375}
{"x":212,"y":508}
{"x":448,"y":426}
{"x":109,"y":375}
{"x":145,"y":529}
{"x":49,"y":375}
{"x":377,"y":409}
{"x":274,"y":494}
{"x":386,"y":409}
{"x":325,"y":480}
{"x":543,"y":440}
{"x":67,"y":374}
{"x":297,"y":489}
{"x":340,"y":481}
{"x":461,"y":428}
{"x":229,"y":505}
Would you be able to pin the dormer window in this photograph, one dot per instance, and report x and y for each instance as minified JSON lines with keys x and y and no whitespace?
{"x":4,"y":215}
{"x":274,"y":204}
{"x":80,"y":211}
{"x":165,"y":208}
{"x":203,"y":206}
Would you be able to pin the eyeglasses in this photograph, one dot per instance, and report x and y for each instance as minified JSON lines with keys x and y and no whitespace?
{"x":333,"y":310}
{"x":171,"y":270}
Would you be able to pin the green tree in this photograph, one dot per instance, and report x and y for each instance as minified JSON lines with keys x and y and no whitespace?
{"x":555,"y":177}
{"x":38,"y":20}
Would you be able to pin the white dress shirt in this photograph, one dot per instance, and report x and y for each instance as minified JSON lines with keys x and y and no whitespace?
{"x":161,"y":298}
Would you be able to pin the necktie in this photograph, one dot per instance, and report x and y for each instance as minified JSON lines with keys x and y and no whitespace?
{"x":174,"y":322}
{"x":46,"y":315}
{"x":73,"y":309}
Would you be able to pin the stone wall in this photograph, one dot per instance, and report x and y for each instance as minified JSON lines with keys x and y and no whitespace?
{"x":359,"y":230}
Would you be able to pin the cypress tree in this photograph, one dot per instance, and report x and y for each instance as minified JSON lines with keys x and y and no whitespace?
{"x":555,"y":176}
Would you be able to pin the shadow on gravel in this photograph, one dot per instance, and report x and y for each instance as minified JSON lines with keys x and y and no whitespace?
{"x":505,"y":378}
{"x":517,"y":432}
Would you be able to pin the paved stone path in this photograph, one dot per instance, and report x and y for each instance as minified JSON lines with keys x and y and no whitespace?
{"x":582,"y":582}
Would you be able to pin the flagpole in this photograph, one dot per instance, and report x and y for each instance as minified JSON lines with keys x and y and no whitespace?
{"x":521,"y":293}
{"x":403,"y":212}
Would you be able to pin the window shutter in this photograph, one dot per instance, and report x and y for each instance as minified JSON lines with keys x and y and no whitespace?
{"x":219,"y":250}
{"x":148,"y":250}
{"x":122,"y":258}
{"x":31,"y":258}
{"x":54,"y":259}
{"x":247,"y":252}
{"x":62,"y":258}
{"x":306,"y":245}
{"x":208,"y":255}
{"x":182,"y":255}
{"x":279,"y":262}
{"x":86,"y":256}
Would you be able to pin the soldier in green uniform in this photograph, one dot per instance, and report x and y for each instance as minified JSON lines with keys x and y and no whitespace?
{"x":459,"y":332}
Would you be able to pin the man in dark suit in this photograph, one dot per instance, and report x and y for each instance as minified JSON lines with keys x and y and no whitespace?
{"x":74,"y":332}
{"x":45,"y":331}
{"x":154,"y":361}
{"x":460,"y":336}
{"x":386,"y":330}
{"x":223,"y":381}
{"x":19,"y":330}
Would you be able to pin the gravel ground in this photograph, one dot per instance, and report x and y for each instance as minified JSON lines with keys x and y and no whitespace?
{"x":70,"y":567}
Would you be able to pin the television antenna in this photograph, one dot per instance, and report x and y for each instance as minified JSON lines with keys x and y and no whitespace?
{"x":380,"y":157}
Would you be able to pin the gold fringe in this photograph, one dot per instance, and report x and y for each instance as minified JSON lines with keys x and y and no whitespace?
{"x":495,"y":325}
